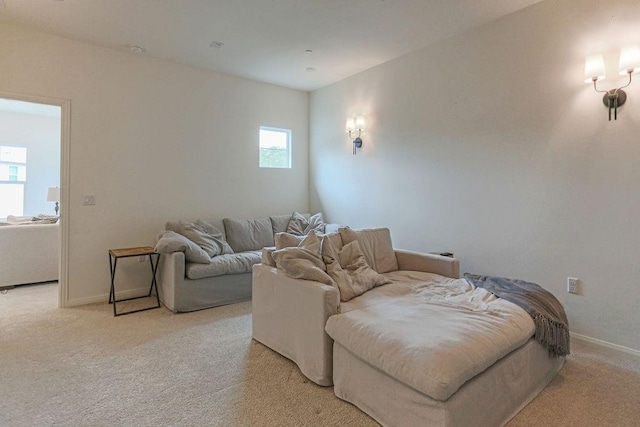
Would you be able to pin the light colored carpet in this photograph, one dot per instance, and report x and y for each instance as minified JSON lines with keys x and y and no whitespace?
{"x":82,"y":366}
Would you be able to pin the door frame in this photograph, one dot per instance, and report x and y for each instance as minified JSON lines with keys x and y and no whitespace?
{"x":65,"y":129}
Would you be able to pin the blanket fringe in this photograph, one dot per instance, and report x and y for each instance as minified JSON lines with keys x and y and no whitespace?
{"x":549,"y":318}
{"x":553,"y":335}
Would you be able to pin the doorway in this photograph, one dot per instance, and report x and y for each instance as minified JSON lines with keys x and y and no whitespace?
{"x":34,"y":141}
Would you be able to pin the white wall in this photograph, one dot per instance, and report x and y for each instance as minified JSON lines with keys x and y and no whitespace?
{"x":154,"y":141}
{"x":490,"y":145}
{"x":41,"y":136}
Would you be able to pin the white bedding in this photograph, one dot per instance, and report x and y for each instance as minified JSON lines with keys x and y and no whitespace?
{"x":430,"y":332}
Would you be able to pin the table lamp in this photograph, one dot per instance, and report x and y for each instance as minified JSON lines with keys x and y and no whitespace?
{"x":53,"y":195}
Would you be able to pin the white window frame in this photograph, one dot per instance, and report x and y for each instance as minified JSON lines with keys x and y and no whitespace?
{"x":286,"y":132}
{"x":18,"y":181}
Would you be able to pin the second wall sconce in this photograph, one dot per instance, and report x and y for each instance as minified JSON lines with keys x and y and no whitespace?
{"x":355,"y":124}
{"x":594,"y":72}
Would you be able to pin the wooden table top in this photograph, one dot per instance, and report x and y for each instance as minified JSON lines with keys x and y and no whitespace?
{"x":125,"y":252}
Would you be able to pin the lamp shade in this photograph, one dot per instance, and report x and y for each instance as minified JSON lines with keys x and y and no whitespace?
{"x":629,"y":59}
{"x":351,"y":124}
{"x":360,"y":122}
{"x":53,"y":194}
{"x":594,"y":68}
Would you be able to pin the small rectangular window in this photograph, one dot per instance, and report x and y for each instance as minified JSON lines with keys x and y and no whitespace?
{"x":13,"y":172}
{"x":13,"y":154}
{"x":275,"y":147}
{"x":13,"y":175}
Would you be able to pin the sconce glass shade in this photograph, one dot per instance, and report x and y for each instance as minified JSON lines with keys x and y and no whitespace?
{"x":594,"y":68}
{"x":351,"y":125}
{"x":360,"y":122}
{"x":53,"y":194}
{"x":629,"y":59}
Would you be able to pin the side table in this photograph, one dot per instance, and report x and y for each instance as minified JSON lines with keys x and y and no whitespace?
{"x":114,"y":255}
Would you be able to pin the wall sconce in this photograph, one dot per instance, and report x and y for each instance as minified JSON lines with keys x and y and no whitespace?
{"x":594,"y":72}
{"x":53,"y":195}
{"x":355,"y":124}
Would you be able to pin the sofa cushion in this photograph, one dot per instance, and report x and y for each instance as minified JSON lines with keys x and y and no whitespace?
{"x":224,"y":264}
{"x":349,"y":269}
{"x":218,"y":224}
{"x":279,"y":223}
{"x":376,"y":246}
{"x":248,"y":234}
{"x":170,"y":241}
{"x":299,"y":225}
{"x":303,"y":261}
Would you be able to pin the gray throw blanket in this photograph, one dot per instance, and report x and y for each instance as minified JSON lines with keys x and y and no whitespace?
{"x":552,"y":327}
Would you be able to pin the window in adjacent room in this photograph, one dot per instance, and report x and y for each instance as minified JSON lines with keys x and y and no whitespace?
{"x":13,"y":175}
{"x":275,"y":147}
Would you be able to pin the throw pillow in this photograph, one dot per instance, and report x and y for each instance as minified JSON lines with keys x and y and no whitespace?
{"x":170,"y":241}
{"x":303,"y":261}
{"x":46,"y":219}
{"x":286,"y":240}
{"x":349,"y":269}
{"x":267,"y":256}
{"x":331,"y":259}
{"x":204,"y":235}
{"x":316,"y":223}
{"x":376,"y":246}
{"x":12,"y":219}
{"x":176,"y":227}
{"x":335,"y":238}
{"x":297,"y":224}
{"x":197,"y":235}
{"x":217,"y":236}
{"x":300,"y":226}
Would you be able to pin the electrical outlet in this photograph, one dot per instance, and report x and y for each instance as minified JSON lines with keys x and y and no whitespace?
{"x":142,"y":258}
{"x":88,"y":199}
{"x":573,"y":285}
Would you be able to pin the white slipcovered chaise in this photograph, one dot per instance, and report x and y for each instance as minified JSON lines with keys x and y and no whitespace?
{"x":426,"y":348}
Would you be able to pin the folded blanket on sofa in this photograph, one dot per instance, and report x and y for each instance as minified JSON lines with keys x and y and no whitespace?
{"x":552,"y":326}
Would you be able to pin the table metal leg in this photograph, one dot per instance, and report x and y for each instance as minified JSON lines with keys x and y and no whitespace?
{"x":113,"y":262}
{"x":154,"y":281}
{"x":112,"y":293}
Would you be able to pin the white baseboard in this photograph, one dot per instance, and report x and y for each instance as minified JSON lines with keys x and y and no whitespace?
{"x":605,"y":344}
{"x":131,"y":293}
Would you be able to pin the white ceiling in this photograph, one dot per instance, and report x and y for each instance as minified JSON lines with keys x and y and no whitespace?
{"x":263,"y":40}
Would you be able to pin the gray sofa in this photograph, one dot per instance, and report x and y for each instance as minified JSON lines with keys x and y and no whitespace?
{"x":186,"y":286}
